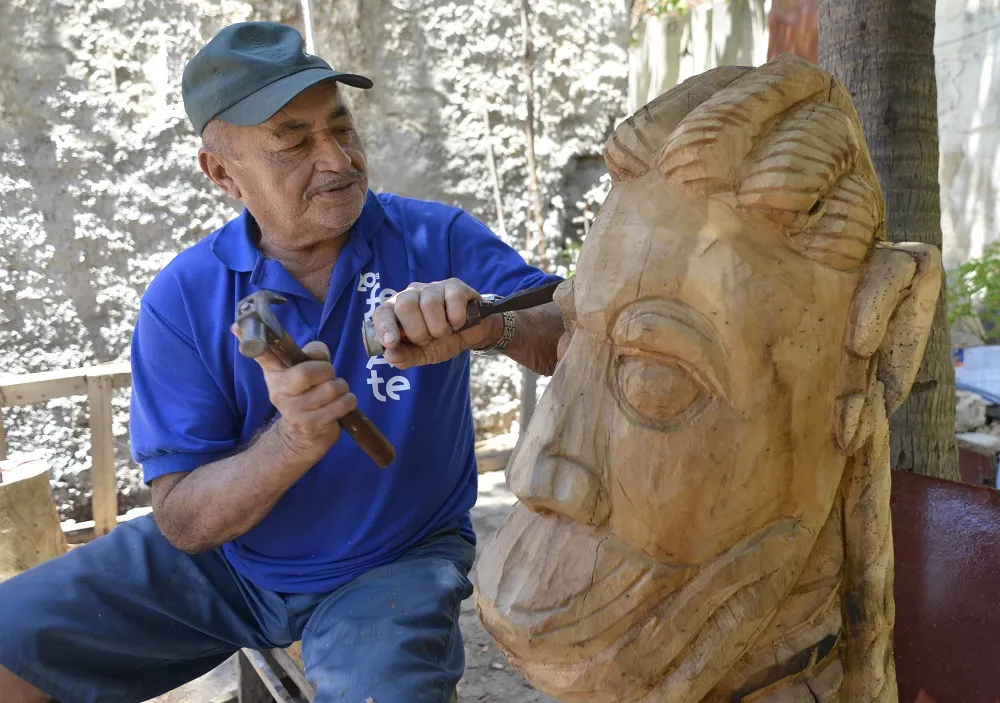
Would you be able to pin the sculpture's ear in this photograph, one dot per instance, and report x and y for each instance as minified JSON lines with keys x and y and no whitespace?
{"x":891,"y":316}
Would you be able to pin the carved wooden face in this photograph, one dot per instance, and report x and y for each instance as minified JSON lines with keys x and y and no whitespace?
{"x":695,"y":399}
{"x":734,"y":332}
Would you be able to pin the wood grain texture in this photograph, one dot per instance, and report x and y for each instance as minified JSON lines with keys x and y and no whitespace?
{"x":102,"y":455}
{"x":703,"y":490}
{"x":29,"y":522}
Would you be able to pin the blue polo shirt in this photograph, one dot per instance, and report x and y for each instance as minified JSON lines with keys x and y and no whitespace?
{"x":196,"y":399}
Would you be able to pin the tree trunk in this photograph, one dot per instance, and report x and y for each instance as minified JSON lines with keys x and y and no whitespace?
{"x":30,"y":532}
{"x":883,"y":51}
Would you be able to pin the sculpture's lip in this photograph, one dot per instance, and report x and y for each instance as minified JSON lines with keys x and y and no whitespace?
{"x":613,"y":591}
{"x":595,"y":597}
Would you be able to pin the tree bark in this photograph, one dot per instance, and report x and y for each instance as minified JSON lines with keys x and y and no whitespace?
{"x":883,"y":51}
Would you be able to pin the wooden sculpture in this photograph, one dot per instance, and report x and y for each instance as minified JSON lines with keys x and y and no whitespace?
{"x":703,"y":490}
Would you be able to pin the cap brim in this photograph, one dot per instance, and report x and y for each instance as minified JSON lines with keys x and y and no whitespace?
{"x":266,"y":102}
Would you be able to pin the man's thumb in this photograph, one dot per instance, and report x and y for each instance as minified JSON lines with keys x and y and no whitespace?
{"x":317,"y":350}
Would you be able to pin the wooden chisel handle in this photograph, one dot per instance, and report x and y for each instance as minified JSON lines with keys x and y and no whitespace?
{"x":355,"y":423}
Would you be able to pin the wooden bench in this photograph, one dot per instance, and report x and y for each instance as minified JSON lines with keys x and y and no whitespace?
{"x":276,"y":675}
{"x":273,"y":675}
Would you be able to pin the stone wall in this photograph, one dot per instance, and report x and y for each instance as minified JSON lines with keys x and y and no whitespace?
{"x":967,"y":52}
{"x":99,"y":187}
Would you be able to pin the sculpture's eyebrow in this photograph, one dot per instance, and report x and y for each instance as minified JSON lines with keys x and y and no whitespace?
{"x":670,"y":329}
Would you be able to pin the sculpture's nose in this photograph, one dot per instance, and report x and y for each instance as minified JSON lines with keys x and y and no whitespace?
{"x":558,"y":467}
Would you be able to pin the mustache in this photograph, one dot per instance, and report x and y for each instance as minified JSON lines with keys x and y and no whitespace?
{"x":334,"y":183}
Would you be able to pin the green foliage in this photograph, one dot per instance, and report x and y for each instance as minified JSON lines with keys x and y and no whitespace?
{"x":656,"y":8}
{"x":974,"y":291}
{"x":666,"y":7}
{"x":569,"y":253}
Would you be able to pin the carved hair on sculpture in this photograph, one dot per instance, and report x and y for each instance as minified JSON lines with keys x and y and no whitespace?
{"x":703,"y":493}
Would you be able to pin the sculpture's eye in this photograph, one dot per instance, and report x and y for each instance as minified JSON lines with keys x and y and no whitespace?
{"x":659,"y":394}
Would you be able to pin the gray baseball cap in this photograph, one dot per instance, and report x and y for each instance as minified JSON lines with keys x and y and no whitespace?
{"x":249,"y":71}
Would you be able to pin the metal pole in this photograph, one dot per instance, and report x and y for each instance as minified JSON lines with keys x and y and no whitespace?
{"x":307,"y":21}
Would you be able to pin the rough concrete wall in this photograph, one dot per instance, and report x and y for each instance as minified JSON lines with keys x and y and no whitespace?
{"x":967,"y":49}
{"x":668,"y":50}
{"x":99,"y":187}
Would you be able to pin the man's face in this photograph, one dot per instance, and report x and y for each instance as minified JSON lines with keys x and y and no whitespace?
{"x":302,"y":174}
{"x":694,"y":403}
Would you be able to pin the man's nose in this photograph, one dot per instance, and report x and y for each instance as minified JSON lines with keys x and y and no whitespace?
{"x":559,"y":466}
{"x":331,"y":156}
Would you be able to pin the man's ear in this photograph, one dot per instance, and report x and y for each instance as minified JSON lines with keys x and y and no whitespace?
{"x":215,"y":168}
{"x":891,"y":316}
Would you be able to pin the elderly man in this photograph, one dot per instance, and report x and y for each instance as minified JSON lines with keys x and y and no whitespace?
{"x":270,"y":526}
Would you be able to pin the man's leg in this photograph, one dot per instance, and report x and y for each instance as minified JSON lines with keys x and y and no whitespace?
{"x":392,"y":634}
{"x":124,"y":618}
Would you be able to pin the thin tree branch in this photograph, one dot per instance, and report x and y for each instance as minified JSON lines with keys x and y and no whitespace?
{"x":536,"y":248}
{"x":491,"y":162}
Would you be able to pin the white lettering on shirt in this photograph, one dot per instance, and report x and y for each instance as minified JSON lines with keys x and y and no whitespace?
{"x":369,"y":283}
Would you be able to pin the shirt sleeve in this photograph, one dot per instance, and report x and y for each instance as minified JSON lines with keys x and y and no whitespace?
{"x":180,"y":418}
{"x":488,"y":264}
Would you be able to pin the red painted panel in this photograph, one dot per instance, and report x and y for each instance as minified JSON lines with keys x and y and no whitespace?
{"x":793,"y":26}
{"x":947,"y":588}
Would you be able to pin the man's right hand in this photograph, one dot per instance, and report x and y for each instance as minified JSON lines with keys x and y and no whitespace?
{"x":310,"y":399}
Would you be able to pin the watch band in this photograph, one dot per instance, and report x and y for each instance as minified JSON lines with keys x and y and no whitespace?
{"x":506,"y":335}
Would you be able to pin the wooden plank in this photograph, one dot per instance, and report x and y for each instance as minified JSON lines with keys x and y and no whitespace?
{"x":102,"y":452}
{"x":83,"y":531}
{"x":28,"y":389}
{"x":296,"y":673}
{"x":493,"y":461}
{"x":250,"y":687}
{"x":267,"y":675}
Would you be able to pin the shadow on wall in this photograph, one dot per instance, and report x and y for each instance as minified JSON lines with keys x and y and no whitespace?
{"x":99,"y":188}
{"x":966,"y":47}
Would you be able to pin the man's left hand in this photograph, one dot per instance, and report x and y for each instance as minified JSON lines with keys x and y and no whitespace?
{"x":429,"y":314}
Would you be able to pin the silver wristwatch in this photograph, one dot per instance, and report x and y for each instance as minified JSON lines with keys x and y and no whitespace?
{"x":500,"y":345}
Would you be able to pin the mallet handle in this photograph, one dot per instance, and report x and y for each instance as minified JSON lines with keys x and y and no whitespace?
{"x":357,"y":425}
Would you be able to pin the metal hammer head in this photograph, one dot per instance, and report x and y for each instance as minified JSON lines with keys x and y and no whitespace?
{"x":257,"y":322}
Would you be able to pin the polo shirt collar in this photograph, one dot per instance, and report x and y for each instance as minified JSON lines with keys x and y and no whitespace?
{"x":234,"y":245}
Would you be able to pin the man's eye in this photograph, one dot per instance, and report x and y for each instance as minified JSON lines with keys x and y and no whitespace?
{"x":658,"y":394}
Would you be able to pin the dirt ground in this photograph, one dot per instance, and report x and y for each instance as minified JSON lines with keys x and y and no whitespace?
{"x":489,"y":678}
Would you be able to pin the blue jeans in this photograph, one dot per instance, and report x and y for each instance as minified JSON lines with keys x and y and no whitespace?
{"x":129,"y":617}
